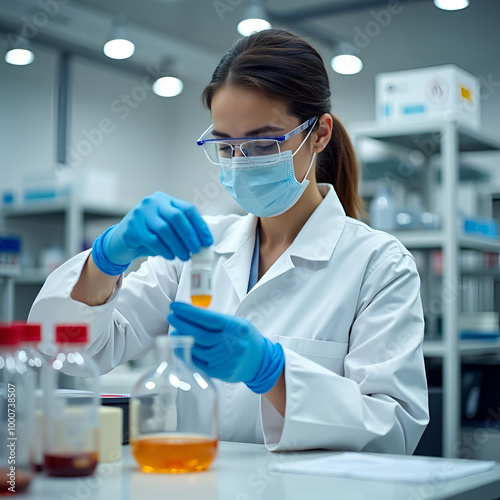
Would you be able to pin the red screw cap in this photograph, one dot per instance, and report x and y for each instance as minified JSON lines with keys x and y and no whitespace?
{"x":71,"y":333}
{"x":28,"y":332}
{"x":8,"y":335}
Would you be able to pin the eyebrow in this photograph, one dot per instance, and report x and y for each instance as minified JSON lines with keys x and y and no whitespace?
{"x":252,"y":133}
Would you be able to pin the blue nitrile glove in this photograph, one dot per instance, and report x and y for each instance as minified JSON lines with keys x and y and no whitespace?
{"x":158,"y":225}
{"x":229,"y":348}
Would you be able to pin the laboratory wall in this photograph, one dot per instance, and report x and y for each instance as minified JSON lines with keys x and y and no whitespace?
{"x":116,"y":124}
{"x":27,"y":125}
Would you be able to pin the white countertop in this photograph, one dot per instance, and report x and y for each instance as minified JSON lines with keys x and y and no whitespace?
{"x":240,"y":472}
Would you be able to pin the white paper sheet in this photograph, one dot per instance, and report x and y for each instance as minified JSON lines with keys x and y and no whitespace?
{"x":375,"y":467}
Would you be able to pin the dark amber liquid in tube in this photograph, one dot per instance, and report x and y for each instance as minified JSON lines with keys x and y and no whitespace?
{"x":70,"y":465}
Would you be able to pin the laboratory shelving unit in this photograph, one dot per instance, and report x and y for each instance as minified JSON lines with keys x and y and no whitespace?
{"x":69,"y":215}
{"x":446,"y":139}
{"x":7,"y":276}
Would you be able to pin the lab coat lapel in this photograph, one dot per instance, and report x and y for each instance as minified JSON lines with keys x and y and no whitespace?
{"x":241,"y":244}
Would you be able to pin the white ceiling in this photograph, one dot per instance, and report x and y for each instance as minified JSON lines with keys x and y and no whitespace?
{"x":197,"y":32}
{"x":210,"y":23}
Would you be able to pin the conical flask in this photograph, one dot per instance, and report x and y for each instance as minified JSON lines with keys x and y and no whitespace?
{"x":173,"y":412}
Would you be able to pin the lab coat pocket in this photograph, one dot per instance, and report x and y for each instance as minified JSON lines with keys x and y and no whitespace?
{"x":328,"y":354}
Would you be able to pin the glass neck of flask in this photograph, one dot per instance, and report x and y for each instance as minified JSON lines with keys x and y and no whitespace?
{"x":174,"y":349}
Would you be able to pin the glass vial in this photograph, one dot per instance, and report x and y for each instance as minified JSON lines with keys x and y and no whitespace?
{"x":201,"y":277}
{"x":30,"y":334}
{"x":173,"y":412}
{"x":16,"y":416}
{"x":71,"y":403}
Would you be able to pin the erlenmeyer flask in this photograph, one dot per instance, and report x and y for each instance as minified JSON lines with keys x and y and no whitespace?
{"x":173,"y":412}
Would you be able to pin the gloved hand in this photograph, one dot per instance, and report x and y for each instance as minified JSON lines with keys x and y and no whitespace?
{"x":158,"y":225}
{"x":229,"y":348}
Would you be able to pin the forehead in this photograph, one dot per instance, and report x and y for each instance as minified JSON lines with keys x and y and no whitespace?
{"x":237,"y":109}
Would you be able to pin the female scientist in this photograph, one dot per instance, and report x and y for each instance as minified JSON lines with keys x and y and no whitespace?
{"x":314,"y":333}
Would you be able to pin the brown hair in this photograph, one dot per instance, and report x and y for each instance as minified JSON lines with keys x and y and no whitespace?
{"x":286,"y":67}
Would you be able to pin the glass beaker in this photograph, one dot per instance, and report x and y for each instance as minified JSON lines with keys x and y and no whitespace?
{"x":173,"y":412}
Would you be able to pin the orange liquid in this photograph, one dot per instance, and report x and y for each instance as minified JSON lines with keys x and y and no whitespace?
{"x":201,"y":300}
{"x":182,"y":453}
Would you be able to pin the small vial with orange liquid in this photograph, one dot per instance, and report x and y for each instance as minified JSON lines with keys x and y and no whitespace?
{"x":201,"y":277}
{"x":173,"y":412}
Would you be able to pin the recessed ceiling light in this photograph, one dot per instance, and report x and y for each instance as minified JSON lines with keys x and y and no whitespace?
{"x":347,"y":64}
{"x":451,"y":4}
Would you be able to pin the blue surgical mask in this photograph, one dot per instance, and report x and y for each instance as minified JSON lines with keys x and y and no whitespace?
{"x":266,"y":186}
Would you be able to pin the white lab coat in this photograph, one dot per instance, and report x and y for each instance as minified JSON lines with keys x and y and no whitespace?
{"x":344,"y":302}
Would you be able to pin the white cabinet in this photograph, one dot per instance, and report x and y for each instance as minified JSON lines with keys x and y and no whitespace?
{"x":447,"y":140}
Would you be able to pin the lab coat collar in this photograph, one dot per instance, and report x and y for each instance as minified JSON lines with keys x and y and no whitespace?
{"x":315,"y":241}
{"x":319,"y":235}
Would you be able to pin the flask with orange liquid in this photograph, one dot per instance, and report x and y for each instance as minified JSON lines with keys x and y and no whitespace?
{"x":201,"y":277}
{"x":173,"y":412}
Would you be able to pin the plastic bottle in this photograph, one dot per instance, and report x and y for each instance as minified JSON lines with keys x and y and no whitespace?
{"x":30,"y":335}
{"x":382,"y":211}
{"x":173,"y":412}
{"x":201,"y":277}
{"x":71,"y":403}
{"x":16,"y":416}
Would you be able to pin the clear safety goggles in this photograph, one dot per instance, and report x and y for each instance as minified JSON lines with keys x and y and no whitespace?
{"x":218,"y":150}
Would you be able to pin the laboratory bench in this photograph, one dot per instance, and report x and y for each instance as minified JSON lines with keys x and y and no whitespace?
{"x":241,"y":472}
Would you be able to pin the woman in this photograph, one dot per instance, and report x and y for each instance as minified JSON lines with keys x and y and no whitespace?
{"x":315,"y":329}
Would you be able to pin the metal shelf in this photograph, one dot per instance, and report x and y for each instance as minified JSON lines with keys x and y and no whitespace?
{"x":31,"y":277}
{"x":478,"y":243}
{"x":437,"y":348}
{"x":435,"y":239}
{"x":426,"y":137}
{"x":69,"y":212}
{"x":7,"y":271}
{"x":420,"y":239}
{"x":33,"y":209}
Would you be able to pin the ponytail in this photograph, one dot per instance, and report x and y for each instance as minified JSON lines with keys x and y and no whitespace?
{"x":337,"y":165}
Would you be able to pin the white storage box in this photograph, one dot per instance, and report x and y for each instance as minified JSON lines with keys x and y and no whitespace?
{"x":439,"y":93}
{"x":95,"y":187}
{"x":90,"y":186}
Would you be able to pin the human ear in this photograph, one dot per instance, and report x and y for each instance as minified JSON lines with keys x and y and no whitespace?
{"x":323,"y":132}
